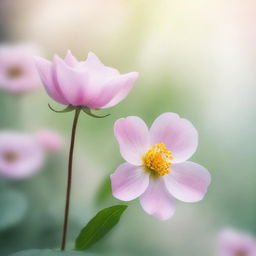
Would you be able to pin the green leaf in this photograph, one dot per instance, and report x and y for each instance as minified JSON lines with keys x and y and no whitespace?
{"x":13,"y":205}
{"x":48,"y":252}
{"x":99,"y":226}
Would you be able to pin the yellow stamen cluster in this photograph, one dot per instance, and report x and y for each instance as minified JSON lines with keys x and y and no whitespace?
{"x":158,"y":159}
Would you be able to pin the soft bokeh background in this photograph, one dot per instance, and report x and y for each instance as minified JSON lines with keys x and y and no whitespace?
{"x":196,"y":58}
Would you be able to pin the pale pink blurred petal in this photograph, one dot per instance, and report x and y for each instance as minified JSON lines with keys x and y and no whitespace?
{"x":18,"y":73}
{"x":188,"y":181}
{"x":50,"y":140}
{"x":129,"y":182}
{"x":20,"y":154}
{"x":70,"y":59}
{"x":133,"y":137}
{"x":178,"y":135}
{"x":157,"y":201}
{"x":233,"y":243}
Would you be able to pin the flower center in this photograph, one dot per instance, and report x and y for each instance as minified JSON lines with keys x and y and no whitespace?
{"x":158,"y":159}
{"x":10,"y":156}
{"x":241,"y":253}
{"x":14,"y":72}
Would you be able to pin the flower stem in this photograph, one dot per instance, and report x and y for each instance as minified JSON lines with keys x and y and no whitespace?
{"x":69,"y":179}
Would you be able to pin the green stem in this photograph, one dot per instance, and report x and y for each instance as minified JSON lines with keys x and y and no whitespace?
{"x":69,"y":179}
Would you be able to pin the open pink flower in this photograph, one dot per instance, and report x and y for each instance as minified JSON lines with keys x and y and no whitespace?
{"x":18,"y":73}
{"x":20,"y":154}
{"x":157,"y":170}
{"x":235,"y":243}
{"x":86,"y":83}
{"x":50,"y":140}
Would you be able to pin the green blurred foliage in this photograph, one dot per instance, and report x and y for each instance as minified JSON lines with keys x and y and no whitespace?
{"x":50,"y":253}
{"x":13,"y":205}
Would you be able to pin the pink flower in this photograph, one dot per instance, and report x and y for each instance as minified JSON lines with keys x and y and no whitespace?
{"x":18,"y":73}
{"x":20,"y":154}
{"x":87,"y":83}
{"x":157,"y":170}
{"x":50,"y":140}
{"x":234,"y":243}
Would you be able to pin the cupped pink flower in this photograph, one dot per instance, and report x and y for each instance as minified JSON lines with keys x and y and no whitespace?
{"x":20,"y":154}
{"x":157,"y":170}
{"x":50,"y":140}
{"x":18,"y":72}
{"x":84,"y":83}
{"x":235,"y":243}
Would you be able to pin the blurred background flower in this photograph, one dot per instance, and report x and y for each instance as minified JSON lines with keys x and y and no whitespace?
{"x":236,"y":243}
{"x":18,"y":73}
{"x":196,"y":58}
{"x":20,"y":154}
{"x":50,"y":140}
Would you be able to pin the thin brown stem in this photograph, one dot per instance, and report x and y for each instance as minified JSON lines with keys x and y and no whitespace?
{"x":69,"y":179}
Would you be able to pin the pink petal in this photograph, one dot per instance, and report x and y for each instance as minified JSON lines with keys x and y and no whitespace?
{"x":104,"y":83}
{"x":70,"y":59}
{"x":125,"y":84}
{"x":79,"y":86}
{"x":157,"y":201}
{"x":178,"y":135}
{"x":93,"y":63}
{"x":188,"y":181}
{"x":132,"y":135}
{"x":113,"y":91}
{"x":45,"y":71}
{"x":129,"y":182}
{"x":71,"y":82}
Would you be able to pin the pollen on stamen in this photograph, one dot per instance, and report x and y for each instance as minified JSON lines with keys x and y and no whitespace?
{"x":158,"y":159}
